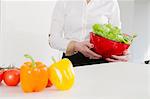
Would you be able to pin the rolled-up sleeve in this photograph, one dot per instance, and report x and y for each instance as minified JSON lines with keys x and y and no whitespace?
{"x":56,"y":36}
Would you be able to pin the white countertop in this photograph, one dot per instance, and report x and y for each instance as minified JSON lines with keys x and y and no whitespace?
{"x":104,"y":81}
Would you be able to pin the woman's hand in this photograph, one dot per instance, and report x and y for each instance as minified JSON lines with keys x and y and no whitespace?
{"x":123,"y":58}
{"x":85,"y":48}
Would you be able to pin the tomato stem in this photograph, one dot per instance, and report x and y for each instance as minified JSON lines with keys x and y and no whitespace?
{"x":31,"y":58}
{"x":53,"y":59}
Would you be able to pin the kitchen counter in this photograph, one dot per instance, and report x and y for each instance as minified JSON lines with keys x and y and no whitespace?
{"x":103,"y":81}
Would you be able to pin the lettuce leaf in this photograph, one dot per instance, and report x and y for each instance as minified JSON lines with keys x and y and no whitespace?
{"x":112,"y":32}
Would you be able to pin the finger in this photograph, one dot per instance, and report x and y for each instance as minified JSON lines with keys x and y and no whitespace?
{"x":93,"y":54}
{"x":121,"y":58}
{"x":94,"y":58}
{"x":111,"y":60}
{"x":126,"y":52}
{"x":89,"y":45}
{"x":86,"y":54}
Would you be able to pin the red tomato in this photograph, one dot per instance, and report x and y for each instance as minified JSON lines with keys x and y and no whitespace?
{"x":1,"y":75}
{"x":49,"y":84}
{"x":12,"y":77}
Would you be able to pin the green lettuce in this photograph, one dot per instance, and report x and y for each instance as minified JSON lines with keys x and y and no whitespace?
{"x":112,"y":32}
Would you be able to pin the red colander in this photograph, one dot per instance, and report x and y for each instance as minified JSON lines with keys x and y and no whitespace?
{"x":105,"y":47}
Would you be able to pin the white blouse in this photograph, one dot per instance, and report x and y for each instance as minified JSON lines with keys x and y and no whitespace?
{"x":73,"y":20}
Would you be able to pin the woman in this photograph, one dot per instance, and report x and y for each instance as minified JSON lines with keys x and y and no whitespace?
{"x":71,"y":24}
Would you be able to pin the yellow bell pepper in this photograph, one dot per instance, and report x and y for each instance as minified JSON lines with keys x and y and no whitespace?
{"x":61,"y":74}
{"x":33,"y":76}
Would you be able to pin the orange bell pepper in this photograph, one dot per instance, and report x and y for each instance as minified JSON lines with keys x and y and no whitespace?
{"x":61,"y":74}
{"x":33,"y":76}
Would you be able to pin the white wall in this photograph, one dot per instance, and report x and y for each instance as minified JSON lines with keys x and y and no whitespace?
{"x":141,"y":26}
{"x":134,"y":16}
{"x":26,"y":24}
{"x":148,"y":56}
{"x":0,"y":35}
